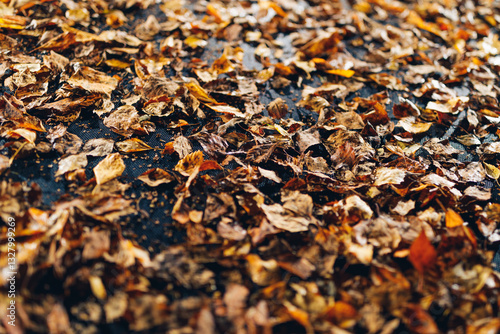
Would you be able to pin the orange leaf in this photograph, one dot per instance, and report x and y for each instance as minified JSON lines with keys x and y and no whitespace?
{"x":422,"y":253}
{"x":341,"y":311}
{"x":212,"y":11}
{"x":210,"y":165}
{"x":169,"y":148}
{"x":453,"y":219}
{"x":302,"y":317}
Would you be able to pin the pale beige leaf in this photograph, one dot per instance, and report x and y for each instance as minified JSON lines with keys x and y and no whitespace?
{"x":109,"y":168}
{"x":182,"y":146}
{"x":269,"y":174}
{"x":385,"y":175}
{"x":72,"y":163}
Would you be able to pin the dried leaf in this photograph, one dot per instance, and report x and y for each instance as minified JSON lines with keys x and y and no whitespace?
{"x":189,"y":163}
{"x":155,"y":177}
{"x":98,"y":147}
{"x":278,"y":108}
{"x":385,"y":175}
{"x":93,"y":81}
{"x":97,"y":287}
{"x":124,"y":120}
{"x":269,"y":174}
{"x":71,"y":163}
{"x":109,"y":168}
{"x":453,"y":219}
{"x":411,"y":125}
{"x":182,"y":146}
{"x":262,"y":272}
{"x":422,"y":254}
{"x":132,"y":145}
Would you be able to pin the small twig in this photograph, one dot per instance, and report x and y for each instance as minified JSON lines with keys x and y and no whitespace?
{"x":15,"y":153}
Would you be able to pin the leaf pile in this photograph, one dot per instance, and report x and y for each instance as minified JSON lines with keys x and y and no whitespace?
{"x":326,"y":167}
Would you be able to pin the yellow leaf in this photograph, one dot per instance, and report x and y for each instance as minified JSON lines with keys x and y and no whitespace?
{"x":116,"y":63}
{"x":199,"y":92}
{"x":492,"y":171}
{"x":195,"y":42}
{"x":453,"y":219}
{"x":97,"y":287}
{"x":342,"y":73}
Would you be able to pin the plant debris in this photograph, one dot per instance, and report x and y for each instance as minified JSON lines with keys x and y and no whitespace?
{"x":251,"y":166}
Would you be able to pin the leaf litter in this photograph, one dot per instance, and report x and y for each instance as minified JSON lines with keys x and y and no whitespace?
{"x":329,"y":166}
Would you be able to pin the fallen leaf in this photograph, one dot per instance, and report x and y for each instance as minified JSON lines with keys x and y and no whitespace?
{"x":278,"y":108}
{"x":453,"y":219}
{"x":109,"y":168}
{"x":386,"y":175}
{"x":71,"y":163}
{"x":269,"y":174}
{"x":132,"y":145}
{"x":156,"y":176}
{"x":189,"y":163}
{"x":93,"y":81}
{"x":262,"y":272}
{"x":422,"y":254}
{"x":182,"y":146}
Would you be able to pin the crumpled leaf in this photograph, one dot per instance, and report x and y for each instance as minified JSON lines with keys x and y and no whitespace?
{"x":98,"y":147}
{"x":385,"y":175}
{"x":190,"y":163}
{"x":269,"y":174}
{"x":182,"y":146}
{"x":132,"y":145}
{"x":124,"y":120}
{"x":156,"y":176}
{"x":93,"y":81}
{"x":294,"y":215}
{"x":278,"y":108}
{"x":262,"y":272}
{"x":411,"y":125}
{"x":71,"y":163}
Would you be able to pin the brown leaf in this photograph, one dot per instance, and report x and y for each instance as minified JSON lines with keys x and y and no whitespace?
{"x":93,"y":81}
{"x":98,"y":147}
{"x":71,"y":163}
{"x":278,"y":108}
{"x":96,"y":244}
{"x":262,"y":272}
{"x":124,"y":120}
{"x":385,"y":175}
{"x":419,"y":321}
{"x":155,"y":177}
{"x":350,"y":119}
{"x":58,"y":320}
{"x":4,"y":163}
{"x":210,"y":165}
